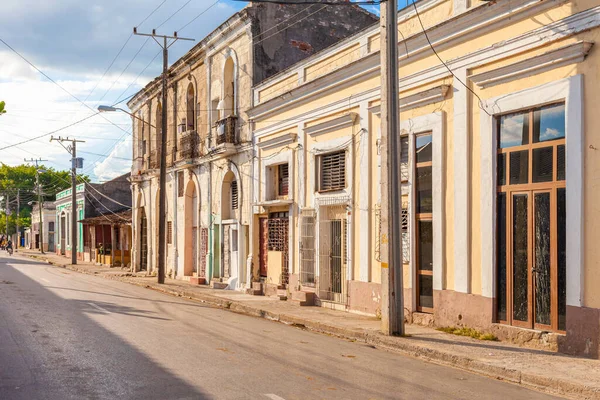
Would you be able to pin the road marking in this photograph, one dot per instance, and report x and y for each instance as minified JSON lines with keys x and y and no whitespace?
{"x":274,"y":397}
{"x":98,"y":307}
{"x":45,"y":280}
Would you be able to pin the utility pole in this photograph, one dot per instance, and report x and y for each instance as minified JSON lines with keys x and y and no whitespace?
{"x":162,"y":242}
{"x":17,"y":220}
{"x":72,"y":149}
{"x":6,"y":212}
{"x":39,"y":195}
{"x":392,"y":313}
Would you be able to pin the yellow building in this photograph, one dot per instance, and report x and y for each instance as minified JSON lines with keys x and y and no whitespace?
{"x":499,"y":170}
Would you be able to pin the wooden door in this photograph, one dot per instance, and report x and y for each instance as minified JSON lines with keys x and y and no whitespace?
{"x":263,"y":245}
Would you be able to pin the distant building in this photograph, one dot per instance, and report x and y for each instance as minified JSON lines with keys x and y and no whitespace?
{"x":93,"y":200}
{"x":48,"y":226}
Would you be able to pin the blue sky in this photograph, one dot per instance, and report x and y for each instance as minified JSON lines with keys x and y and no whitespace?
{"x":74,"y":42}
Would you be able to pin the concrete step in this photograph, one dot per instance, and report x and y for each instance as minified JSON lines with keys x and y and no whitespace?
{"x":254,"y":292}
{"x":304,"y":298}
{"x":195,"y":280}
{"x":217,"y":284}
{"x":282,"y":294}
{"x":270,"y":289}
{"x":257,"y":286}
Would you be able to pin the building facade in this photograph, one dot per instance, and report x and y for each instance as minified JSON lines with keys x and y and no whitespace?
{"x":210,"y":155}
{"x":48,"y":240}
{"x":498,"y":170}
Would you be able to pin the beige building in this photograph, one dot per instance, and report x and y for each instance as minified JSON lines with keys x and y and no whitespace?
{"x":499,"y":161}
{"x":210,"y":155}
{"x":47,"y":240}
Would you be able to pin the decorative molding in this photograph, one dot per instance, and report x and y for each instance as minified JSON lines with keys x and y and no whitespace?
{"x":337,"y":123}
{"x":572,"y":53}
{"x":274,"y":203}
{"x":420,"y":99}
{"x":281,"y":140}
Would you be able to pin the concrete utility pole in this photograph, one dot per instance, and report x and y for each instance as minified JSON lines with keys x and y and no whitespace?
{"x":162,"y":242}
{"x":392,"y":312}
{"x":39,"y":195}
{"x":73,"y":150}
{"x":17,"y":220}
{"x":6,"y":213}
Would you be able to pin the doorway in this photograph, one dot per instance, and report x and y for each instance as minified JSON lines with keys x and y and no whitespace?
{"x":63,"y":234}
{"x":263,"y":248}
{"x":333,"y":231}
{"x":531,"y":219}
{"x":143,"y":241}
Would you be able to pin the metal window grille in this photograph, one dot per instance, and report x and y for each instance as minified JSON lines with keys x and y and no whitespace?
{"x":405,"y":234}
{"x":180,"y":184}
{"x":332,"y":260}
{"x":234,"y":195}
{"x":404,"y":158}
{"x":307,"y":247}
{"x":50,"y":226}
{"x":283,"y":179}
{"x":169,"y":232}
{"x":332,"y":171}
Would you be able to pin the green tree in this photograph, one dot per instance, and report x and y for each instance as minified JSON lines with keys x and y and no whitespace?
{"x":2,"y":110}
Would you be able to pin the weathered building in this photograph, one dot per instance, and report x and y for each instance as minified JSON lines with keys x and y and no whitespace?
{"x":93,"y":199}
{"x":210,"y":155}
{"x":499,"y":157}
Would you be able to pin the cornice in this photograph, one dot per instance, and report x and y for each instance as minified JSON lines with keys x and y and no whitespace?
{"x":280,"y":140}
{"x":337,"y":123}
{"x":420,"y":99}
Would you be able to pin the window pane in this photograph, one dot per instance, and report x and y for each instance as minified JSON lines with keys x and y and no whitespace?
{"x":542,"y":258}
{"x":519,"y":167}
{"x":501,"y":254}
{"x":501,"y":169}
{"x":424,"y":194}
{"x":426,"y":291}
{"x":560,"y":162}
{"x":561,"y":214}
{"x":542,"y":164}
{"x":549,"y":123}
{"x":423,"y":145}
{"x":520,"y":258}
{"x":513,"y":130}
{"x":425,"y":246}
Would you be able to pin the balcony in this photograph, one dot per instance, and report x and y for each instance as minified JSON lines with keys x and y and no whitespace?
{"x":189,"y":145}
{"x":226,"y":131}
{"x":154,"y":159}
{"x":137,"y":168}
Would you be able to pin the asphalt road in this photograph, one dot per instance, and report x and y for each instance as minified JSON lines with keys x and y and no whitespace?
{"x":64,"y":335}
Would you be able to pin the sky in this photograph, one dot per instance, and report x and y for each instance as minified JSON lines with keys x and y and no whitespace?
{"x":74,"y":43}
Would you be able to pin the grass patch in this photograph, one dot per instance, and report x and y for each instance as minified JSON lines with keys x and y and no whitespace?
{"x":470,"y":332}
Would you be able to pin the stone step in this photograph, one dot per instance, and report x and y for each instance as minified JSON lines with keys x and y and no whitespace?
{"x":270,"y":289}
{"x":254,"y":292}
{"x":257,"y":286}
{"x":197,"y":280}
{"x":282,"y":294}
{"x":217,"y":284}
{"x":304,"y":298}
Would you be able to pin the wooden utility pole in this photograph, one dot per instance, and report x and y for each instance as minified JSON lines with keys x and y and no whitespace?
{"x":72,"y":149}
{"x":17,"y":220}
{"x":392,"y":310}
{"x":162,"y":242}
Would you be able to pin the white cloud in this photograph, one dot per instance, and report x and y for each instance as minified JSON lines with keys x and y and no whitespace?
{"x":552,"y":133}
{"x":116,"y":164}
{"x":14,"y":68}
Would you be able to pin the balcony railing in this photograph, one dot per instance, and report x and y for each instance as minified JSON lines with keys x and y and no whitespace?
{"x":189,"y":145}
{"x":227,"y":130}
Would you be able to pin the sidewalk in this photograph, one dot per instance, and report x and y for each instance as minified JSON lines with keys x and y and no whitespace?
{"x":554,"y":373}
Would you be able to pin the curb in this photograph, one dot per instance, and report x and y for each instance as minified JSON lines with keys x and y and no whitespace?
{"x":400,"y":345}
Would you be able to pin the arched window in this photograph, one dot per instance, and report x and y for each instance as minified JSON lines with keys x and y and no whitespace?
{"x":190,"y":115}
{"x":229,"y":88}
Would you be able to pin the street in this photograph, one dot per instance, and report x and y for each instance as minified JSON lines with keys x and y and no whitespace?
{"x":65,"y":335}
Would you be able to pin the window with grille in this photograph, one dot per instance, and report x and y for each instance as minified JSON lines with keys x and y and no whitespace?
{"x":180,"y":184}
{"x":278,"y":231}
{"x":169,"y":232}
{"x":283,"y":179}
{"x":234,"y":195}
{"x":332,"y":171}
{"x":404,"y":158}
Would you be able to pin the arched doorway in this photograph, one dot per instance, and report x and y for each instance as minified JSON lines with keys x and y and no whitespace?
{"x":190,"y":258}
{"x":143,"y":240}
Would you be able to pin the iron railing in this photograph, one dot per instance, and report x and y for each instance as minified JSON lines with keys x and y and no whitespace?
{"x":226,"y":130}
{"x":189,"y":145}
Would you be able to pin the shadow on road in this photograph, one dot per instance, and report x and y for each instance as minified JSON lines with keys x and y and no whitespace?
{"x":56,"y":351}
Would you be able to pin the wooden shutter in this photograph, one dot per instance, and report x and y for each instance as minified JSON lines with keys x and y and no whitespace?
{"x":234,"y":195}
{"x":333,"y":171}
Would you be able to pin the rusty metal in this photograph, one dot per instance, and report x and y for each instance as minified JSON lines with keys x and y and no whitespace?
{"x":278,"y":241}
{"x":227,"y":130}
{"x":189,"y":145}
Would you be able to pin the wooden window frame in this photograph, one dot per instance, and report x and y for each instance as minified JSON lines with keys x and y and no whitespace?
{"x":531,"y":189}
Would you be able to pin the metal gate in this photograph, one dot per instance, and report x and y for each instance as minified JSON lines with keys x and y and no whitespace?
{"x":307,"y":248}
{"x":279,"y":224}
{"x":203,"y":251}
{"x":195,"y":250}
{"x":143,"y":241}
{"x":333,"y":233}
